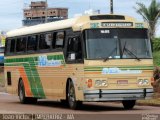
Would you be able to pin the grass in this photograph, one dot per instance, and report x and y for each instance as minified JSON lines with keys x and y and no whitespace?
{"x":1,"y":77}
{"x":1,"y":80}
{"x":155,"y":101}
{"x":150,"y":102}
{"x":156,"y":58}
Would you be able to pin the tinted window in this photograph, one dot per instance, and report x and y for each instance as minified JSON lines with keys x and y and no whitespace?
{"x":32,"y":43}
{"x":45,"y":41}
{"x":12,"y":47}
{"x":59,"y":40}
{"x":20,"y":45}
{"x":74,"y":46}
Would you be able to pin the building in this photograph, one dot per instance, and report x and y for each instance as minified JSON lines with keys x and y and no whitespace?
{"x":2,"y":38}
{"x":38,"y":13}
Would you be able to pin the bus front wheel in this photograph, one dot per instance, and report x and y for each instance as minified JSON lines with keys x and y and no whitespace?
{"x":128,"y":104}
{"x":73,"y":104}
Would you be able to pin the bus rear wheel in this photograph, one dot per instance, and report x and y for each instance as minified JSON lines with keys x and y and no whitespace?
{"x":128,"y":104}
{"x":22,"y":97}
{"x":73,"y":104}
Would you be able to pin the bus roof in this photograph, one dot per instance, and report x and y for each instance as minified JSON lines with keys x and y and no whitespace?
{"x":77,"y":24}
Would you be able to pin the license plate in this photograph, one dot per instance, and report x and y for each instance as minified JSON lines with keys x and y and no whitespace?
{"x":122,"y":82}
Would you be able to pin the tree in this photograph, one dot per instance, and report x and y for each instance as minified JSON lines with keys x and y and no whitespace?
{"x":150,"y":14}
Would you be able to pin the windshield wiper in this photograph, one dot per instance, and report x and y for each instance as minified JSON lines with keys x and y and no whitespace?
{"x":107,"y":58}
{"x":129,"y":52}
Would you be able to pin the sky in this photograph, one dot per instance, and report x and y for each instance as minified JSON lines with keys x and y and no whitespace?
{"x":11,"y":11}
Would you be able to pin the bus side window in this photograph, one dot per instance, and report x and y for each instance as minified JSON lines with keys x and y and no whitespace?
{"x":74,"y":49}
{"x":32,"y":43}
{"x":45,"y":41}
{"x":12,"y":46}
{"x":21,"y":45}
{"x":59,"y":43}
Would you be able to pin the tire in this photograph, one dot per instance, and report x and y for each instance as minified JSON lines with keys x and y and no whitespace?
{"x":22,"y":97}
{"x":73,"y":104}
{"x":128,"y":104}
{"x":21,"y":93}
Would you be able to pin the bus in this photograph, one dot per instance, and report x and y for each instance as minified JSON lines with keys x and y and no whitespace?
{"x":1,"y":56}
{"x":91,"y":58}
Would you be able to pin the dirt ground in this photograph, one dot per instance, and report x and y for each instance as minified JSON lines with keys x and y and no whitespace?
{"x":2,"y":89}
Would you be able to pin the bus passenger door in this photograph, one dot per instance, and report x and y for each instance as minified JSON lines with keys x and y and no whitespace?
{"x":74,"y":59}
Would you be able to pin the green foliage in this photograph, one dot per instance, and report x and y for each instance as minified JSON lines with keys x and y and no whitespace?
{"x":150,"y":14}
{"x":1,"y":77}
{"x":156,"y":44}
{"x":156,"y":58}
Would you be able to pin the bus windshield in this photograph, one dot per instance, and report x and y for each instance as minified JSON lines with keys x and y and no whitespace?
{"x":117,"y":44}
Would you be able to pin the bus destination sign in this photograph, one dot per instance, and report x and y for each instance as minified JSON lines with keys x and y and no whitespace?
{"x":117,"y":24}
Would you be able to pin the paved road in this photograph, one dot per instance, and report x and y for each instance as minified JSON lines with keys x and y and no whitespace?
{"x":10,"y":104}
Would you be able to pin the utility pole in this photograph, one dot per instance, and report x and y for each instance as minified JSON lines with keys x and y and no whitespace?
{"x":46,"y":12}
{"x":111,"y":6}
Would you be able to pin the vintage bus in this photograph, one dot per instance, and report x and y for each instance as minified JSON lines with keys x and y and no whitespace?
{"x":92,"y":58}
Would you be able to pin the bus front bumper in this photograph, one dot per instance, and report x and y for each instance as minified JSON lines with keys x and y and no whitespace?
{"x":117,"y":95}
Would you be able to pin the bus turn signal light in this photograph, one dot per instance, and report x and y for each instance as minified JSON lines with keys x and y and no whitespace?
{"x":89,"y":83}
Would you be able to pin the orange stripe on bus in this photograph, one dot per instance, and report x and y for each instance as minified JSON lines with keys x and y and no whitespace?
{"x":62,"y":66}
{"x":92,"y":72}
{"x":26,"y":82}
{"x":11,"y":68}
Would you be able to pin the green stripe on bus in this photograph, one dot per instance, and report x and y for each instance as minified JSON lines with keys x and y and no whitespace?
{"x":30,"y":64}
{"x":121,"y":67}
{"x":31,"y":79}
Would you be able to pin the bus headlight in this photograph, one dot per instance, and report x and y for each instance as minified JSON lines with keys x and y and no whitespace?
{"x":101,"y":83}
{"x":142,"y":82}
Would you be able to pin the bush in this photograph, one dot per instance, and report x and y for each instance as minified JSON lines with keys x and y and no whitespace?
{"x":156,"y":75}
{"x":156,"y":58}
{"x":156,"y":44}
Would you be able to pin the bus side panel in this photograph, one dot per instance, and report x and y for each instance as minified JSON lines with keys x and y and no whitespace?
{"x":54,"y":77}
{"x":24,"y":68}
{"x":11,"y":79}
